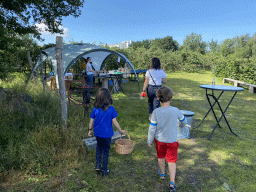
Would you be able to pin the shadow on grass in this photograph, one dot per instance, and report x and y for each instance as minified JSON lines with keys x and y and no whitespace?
{"x":138,"y":171}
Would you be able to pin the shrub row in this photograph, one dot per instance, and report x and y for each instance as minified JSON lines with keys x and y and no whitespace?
{"x":170,"y":61}
{"x":236,"y":68}
{"x":226,"y":67}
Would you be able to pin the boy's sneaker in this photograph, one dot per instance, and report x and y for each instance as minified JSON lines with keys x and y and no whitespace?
{"x":105,"y":173}
{"x":172,"y":188}
{"x":97,"y":167}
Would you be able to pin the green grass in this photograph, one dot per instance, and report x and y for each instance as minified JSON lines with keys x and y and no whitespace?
{"x":56,"y":159}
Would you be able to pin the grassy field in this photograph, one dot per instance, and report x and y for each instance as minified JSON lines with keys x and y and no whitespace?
{"x":54,"y":159}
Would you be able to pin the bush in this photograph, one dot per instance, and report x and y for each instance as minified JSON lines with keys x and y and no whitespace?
{"x":236,"y":68}
{"x":170,"y":61}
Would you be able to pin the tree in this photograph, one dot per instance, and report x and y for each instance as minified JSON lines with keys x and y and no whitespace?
{"x":17,"y":15}
{"x":145,"y":43}
{"x":251,"y":46}
{"x":166,"y":44}
{"x":214,"y":46}
{"x":227,"y":47}
{"x":75,"y":42}
{"x":18,"y":19}
{"x":242,"y":46}
{"x":194,"y":42}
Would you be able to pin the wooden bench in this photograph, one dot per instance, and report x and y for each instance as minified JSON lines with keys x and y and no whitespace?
{"x":252,"y":87}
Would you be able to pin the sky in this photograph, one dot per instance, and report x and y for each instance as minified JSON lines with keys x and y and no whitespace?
{"x":113,"y":21}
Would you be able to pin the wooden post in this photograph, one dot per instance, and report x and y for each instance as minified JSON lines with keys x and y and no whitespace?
{"x":60,"y":72}
{"x":45,"y":68}
{"x":30,"y":61}
{"x":42,"y":73}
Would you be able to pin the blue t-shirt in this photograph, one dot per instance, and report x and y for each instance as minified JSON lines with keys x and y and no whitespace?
{"x":103,"y":121}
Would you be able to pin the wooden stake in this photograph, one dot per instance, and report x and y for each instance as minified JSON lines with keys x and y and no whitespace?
{"x":42,"y":73}
{"x":30,"y":61}
{"x":60,"y":79}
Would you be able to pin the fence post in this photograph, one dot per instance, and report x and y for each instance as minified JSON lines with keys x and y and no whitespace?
{"x":60,"y":72}
{"x":42,"y":73}
{"x":30,"y":61}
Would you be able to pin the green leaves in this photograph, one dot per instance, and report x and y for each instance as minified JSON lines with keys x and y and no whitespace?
{"x":15,"y":15}
{"x":236,"y":68}
{"x":194,"y":42}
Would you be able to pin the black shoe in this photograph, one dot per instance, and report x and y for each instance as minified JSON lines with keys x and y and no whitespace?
{"x":97,"y":167}
{"x":105,"y":173}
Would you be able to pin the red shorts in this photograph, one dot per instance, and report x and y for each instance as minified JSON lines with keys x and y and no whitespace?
{"x":167,"y":150}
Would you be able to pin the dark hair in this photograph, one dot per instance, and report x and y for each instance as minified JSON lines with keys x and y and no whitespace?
{"x":103,"y":99}
{"x":88,"y":59}
{"x":85,"y":60}
{"x":155,"y":64}
{"x":164,"y":94}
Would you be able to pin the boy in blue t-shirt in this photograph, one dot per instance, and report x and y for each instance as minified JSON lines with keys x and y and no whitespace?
{"x":103,"y":115}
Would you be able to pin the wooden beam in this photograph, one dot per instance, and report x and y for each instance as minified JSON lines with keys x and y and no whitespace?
{"x":252,"y":87}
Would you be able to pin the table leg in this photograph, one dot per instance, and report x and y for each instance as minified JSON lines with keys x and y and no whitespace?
{"x":223,"y":115}
{"x":105,"y":83}
{"x":115,"y":85}
{"x":119,"y":81}
{"x":209,"y":109}
{"x":216,"y":101}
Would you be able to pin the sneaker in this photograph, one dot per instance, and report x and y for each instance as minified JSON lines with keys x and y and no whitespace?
{"x":98,"y":167}
{"x":105,"y":173}
{"x":162,"y":176}
{"x":172,"y":188}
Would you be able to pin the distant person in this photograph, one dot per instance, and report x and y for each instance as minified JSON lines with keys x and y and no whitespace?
{"x":103,"y":115}
{"x":154,"y":79}
{"x":89,"y":71}
{"x":163,"y":130}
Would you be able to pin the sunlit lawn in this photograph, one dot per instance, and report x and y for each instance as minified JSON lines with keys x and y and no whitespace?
{"x":225,"y":162}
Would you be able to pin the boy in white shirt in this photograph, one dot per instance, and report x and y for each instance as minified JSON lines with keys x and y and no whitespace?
{"x":163,"y":130}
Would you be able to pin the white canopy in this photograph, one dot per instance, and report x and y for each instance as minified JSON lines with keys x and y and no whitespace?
{"x":72,"y":52}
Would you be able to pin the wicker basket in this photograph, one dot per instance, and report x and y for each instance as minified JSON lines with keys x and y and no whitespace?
{"x":124,"y":146}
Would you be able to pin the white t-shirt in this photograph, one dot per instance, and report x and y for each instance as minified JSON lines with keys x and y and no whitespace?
{"x":157,"y":76}
{"x":89,"y":67}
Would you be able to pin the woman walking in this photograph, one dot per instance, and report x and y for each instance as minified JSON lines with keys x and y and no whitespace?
{"x":154,"y":79}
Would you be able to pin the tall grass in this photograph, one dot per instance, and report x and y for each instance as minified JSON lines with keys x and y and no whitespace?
{"x":36,"y":141}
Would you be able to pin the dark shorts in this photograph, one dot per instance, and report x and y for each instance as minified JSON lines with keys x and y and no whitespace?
{"x":167,"y":150}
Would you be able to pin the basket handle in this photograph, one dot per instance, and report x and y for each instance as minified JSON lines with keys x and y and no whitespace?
{"x":125,"y":134}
